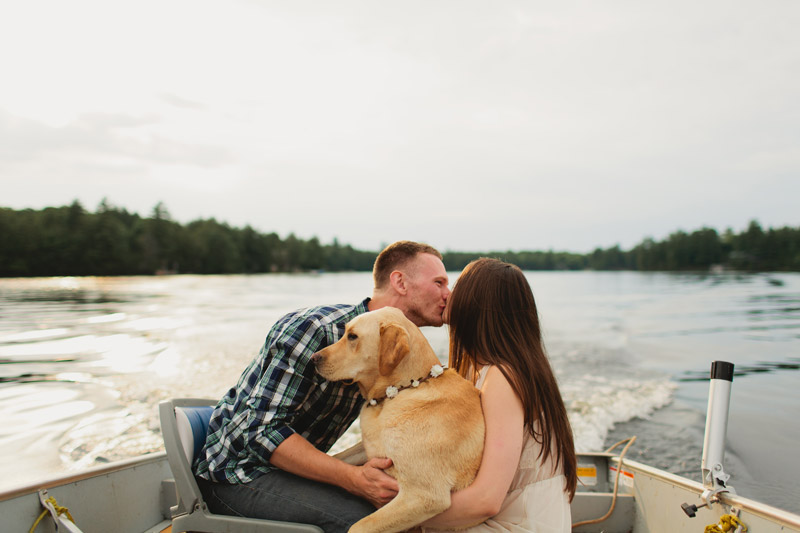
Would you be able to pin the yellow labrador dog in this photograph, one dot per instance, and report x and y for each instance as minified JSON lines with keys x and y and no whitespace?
{"x":429,"y":422}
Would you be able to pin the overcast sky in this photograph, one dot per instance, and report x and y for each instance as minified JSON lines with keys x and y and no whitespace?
{"x":473,"y":126}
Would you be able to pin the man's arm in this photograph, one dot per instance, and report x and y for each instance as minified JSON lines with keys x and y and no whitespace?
{"x":298,"y":456}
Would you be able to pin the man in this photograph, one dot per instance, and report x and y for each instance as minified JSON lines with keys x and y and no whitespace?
{"x":264,"y":456}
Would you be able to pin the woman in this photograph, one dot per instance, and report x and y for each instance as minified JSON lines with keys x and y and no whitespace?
{"x":527,"y":476}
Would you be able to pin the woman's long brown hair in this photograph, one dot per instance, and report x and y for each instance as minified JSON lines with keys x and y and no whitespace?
{"x":493,"y":320}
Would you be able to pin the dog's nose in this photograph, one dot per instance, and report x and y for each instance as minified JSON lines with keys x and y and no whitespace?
{"x":316,"y":358}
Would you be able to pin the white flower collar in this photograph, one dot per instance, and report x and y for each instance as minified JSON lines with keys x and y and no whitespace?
{"x":392,"y":391}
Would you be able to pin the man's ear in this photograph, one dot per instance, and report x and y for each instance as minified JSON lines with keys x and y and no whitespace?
{"x":394,"y":346}
{"x":398,"y":281}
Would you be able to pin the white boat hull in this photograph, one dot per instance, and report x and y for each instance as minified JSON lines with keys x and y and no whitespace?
{"x":650,"y":501}
{"x":135,"y":496}
{"x":127,"y":496}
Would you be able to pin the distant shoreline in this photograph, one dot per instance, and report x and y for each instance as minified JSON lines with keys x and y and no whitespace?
{"x":70,"y":241}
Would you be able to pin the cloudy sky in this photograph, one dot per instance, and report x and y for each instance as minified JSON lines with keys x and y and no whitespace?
{"x":470,"y":125}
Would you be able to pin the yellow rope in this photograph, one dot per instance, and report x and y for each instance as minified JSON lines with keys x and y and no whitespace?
{"x":727,"y":522}
{"x":616,"y":483}
{"x":59,"y":510}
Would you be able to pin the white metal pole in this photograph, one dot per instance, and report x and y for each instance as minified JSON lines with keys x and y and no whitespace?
{"x":719,"y":396}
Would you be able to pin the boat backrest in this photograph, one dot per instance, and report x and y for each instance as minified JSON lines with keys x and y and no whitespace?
{"x":184,"y":423}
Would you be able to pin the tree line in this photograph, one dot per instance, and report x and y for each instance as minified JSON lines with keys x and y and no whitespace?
{"x":71,"y":241}
{"x":754,"y":249}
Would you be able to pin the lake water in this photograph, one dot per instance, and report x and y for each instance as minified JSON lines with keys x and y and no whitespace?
{"x":85,"y":361}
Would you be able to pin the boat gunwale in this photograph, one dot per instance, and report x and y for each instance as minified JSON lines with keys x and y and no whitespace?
{"x":89,"y":473}
{"x":762,"y":510}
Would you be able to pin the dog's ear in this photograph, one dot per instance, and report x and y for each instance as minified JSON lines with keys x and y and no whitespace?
{"x":394,"y":346}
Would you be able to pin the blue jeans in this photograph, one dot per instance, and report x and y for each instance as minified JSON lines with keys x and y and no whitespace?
{"x":282,"y":496}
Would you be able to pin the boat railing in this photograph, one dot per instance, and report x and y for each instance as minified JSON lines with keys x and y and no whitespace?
{"x":96,"y":471}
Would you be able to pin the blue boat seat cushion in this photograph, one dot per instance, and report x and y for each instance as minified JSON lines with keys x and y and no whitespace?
{"x":192,"y":428}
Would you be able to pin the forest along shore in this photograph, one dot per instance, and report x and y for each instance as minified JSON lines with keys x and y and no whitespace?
{"x":71,"y":241}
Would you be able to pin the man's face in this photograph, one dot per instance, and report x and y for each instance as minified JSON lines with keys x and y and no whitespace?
{"x":427,"y":291}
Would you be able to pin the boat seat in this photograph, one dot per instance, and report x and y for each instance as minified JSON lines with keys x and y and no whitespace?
{"x":184,"y":424}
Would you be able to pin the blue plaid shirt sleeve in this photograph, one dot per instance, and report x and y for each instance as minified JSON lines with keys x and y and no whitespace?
{"x":285,"y":384}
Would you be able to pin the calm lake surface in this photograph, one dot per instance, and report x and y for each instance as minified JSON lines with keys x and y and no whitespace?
{"x":85,"y":361}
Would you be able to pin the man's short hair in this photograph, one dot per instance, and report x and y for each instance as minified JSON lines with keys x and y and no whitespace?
{"x":396,"y":256}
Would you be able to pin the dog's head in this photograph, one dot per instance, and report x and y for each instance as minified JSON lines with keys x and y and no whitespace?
{"x":372,"y":349}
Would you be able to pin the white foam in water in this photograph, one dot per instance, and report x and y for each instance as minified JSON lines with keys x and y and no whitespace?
{"x":62,"y":347}
{"x":102,"y":319}
{"x":596,"y":403}
{"x":109,"y":436}
{"x":33,"y":335}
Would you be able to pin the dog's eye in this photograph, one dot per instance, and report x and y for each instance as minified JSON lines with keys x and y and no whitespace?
{"x":352,"y":336}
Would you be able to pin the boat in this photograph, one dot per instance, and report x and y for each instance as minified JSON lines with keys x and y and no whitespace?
{"x":615,"y":495}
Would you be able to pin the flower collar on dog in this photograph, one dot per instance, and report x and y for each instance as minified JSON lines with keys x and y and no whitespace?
{"x":392,"y":391}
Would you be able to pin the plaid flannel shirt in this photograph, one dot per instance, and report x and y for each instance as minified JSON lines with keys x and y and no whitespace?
{"x":278,"y":395}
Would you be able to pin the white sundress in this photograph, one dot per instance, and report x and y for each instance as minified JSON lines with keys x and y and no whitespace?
{"x":536,"y":500}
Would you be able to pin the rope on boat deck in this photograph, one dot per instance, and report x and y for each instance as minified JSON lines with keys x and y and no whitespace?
{"x":60,"y":509}
{"x":630,"y":441}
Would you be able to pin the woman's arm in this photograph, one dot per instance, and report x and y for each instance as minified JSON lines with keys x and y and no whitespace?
{"x":502,"y":410}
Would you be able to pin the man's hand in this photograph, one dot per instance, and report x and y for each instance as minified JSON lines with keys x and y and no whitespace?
{"x":373,"y":484}
{"x":369,"y":481}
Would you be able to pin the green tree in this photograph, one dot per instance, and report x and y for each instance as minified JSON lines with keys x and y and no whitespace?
{"x":69,"y":240}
